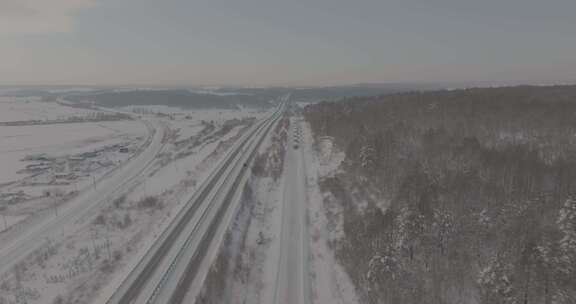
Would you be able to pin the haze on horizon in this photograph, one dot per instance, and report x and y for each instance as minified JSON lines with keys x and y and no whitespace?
{"x":258,"y":42}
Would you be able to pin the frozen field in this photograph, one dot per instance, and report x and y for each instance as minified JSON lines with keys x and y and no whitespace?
{"x":43,"y":165}
{"x":32,"y":108}
{"x":81,"y":260}
{"x":17,"y":142}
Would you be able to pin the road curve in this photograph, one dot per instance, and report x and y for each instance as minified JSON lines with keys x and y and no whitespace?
{"x":108,"y":187}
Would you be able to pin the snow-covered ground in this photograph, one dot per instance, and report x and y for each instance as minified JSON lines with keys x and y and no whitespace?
{"x":18,"y":142}
{"x":83,"y":261}
{"x":330,"y":283}
{"x":44,"y":166}
{"x":253,"y":257}
{"x":195,"y":115}
{"x":245,"y":269}
{"x":32,"y":108}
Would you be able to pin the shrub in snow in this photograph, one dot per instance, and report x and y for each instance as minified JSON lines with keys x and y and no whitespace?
{"x":149,"y":202}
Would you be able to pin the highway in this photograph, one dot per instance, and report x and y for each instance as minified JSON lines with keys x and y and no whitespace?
{"x":292,"y":281}
{"x":14,"y":247}
{"x":174,"y":268}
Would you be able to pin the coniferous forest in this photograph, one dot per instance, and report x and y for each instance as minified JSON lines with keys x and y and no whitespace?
{"x":456,"y":196}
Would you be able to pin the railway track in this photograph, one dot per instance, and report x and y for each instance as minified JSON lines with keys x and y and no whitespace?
{"x":173,"y":262}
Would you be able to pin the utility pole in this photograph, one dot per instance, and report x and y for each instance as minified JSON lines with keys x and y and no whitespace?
{"x":94,"y":241}
{"x":3,"y":208}
{"x":5,"y":222}
{"x":108,"y":242}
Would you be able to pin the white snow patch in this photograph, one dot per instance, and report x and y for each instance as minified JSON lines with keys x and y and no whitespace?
{"x":31,"y":108}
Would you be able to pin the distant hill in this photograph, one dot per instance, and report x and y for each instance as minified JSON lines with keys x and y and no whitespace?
{"x":173,"y":98}
{"x":337,"y":92}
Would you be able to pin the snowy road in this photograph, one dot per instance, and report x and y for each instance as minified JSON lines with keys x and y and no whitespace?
{"x":107,"y":188}
{"x":175,"y":266}
{"x":292,"y":286}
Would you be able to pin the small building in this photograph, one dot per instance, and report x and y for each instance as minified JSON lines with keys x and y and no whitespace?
{"x":89,"y":154}
{"x":76,"y":158}
{"x":67,"y":176}
{"x":38,"y":167}
{"x":39,"y":157}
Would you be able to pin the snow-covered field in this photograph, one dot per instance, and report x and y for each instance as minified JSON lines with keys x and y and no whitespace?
{"x":32,"y":108}
{"x":85,"y":260}
{"x":18,"y":142}
{"x":44,"y":164}
{"x":197,"y":115}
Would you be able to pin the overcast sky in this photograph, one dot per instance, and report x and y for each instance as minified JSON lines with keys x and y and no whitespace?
{"x":290,"y":42}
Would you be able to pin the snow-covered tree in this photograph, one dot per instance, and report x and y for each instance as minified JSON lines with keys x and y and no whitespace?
{"x":495,"y":282}
{"x":410,"y":225}
{"x":567,"y":225}
{"x":367,"y":155}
